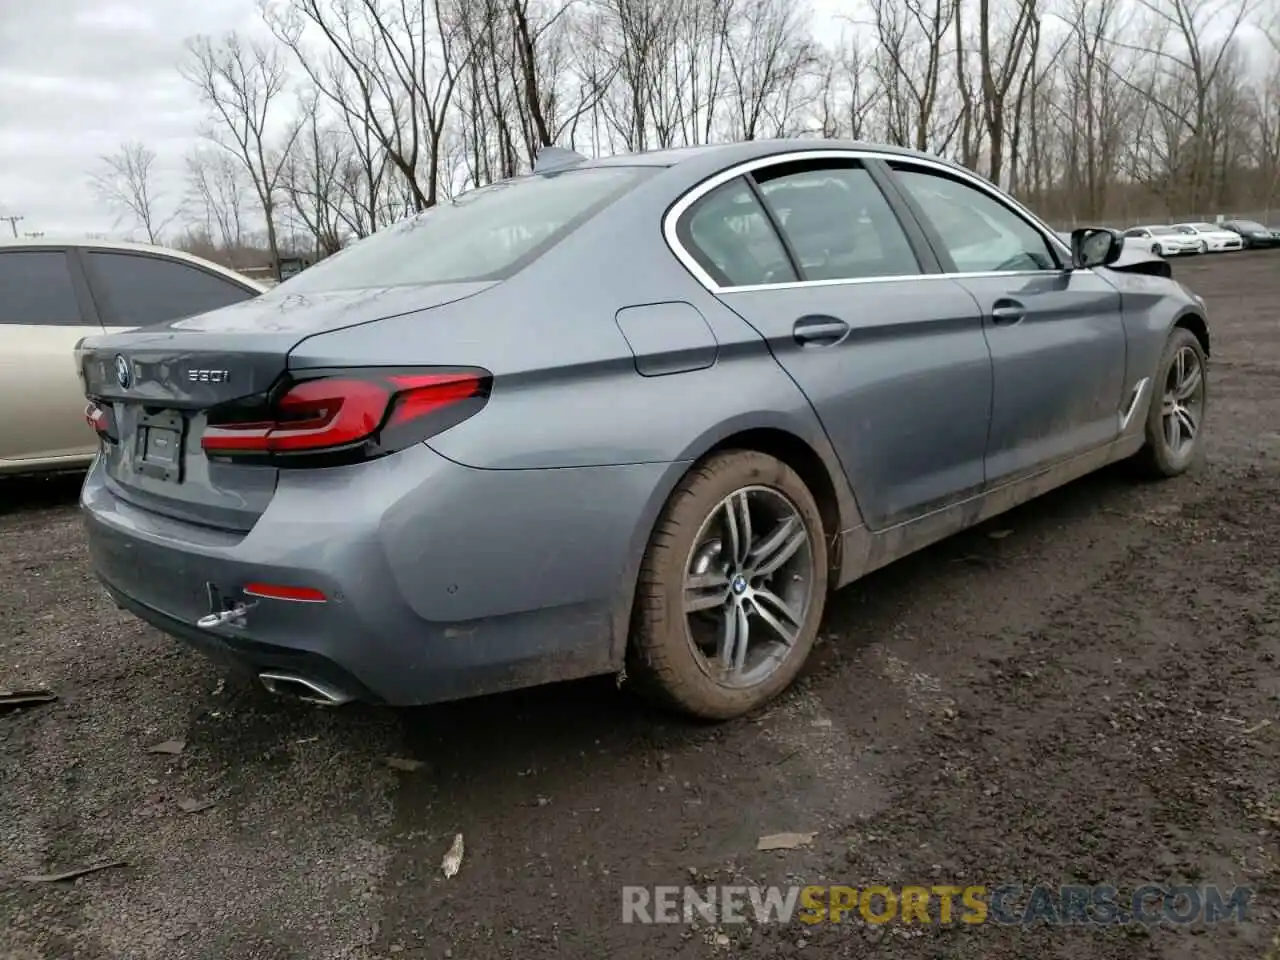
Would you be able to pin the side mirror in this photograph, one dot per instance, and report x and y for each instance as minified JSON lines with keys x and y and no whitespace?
{"x":1095,"y":247}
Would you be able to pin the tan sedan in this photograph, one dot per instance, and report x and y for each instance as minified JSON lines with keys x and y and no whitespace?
{"x":53,"y":294}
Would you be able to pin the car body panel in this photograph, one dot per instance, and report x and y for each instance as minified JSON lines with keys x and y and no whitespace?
{"x":916,"y":355}
{"x":504,"y":550}
{"x":37,"y":369}
{"x":1058,"y":373}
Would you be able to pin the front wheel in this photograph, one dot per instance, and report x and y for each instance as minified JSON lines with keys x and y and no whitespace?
{"x":1175,"y":419}
{"x":732,"y":587}
{"x":1157,"y":250}
{"x":1204,"y":247}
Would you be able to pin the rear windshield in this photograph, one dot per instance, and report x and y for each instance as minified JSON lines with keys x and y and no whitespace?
{"x":486,"y":234}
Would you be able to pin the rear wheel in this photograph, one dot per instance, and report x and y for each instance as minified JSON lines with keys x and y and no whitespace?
{"x":1175,"y":419}
{"x":732,"y":588}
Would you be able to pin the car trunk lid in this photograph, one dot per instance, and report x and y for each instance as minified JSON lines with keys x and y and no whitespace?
{"x":156,"y":386}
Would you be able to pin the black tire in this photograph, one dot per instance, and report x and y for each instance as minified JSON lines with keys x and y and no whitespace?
{"x":662,"y":656}
{"x":1204,"y":247}
{"x":1157,"y":250}
{"x":1158,"y":459}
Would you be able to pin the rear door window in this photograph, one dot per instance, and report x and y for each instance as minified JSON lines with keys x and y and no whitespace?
{"x":136,"y":290}
{"x":36,"y":288}
{"x":729,"y":234}
{"x":839,"y":224}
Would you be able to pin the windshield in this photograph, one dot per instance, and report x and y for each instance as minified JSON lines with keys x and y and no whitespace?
{"x":1249,"y":224}
{"x":1206,"y":227}
{"x":1162,"y":231}
{"x":486,"y":234}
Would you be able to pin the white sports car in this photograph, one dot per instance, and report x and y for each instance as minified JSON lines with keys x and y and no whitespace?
{"x":1162,"y":240}
{"x":1211,"y":237}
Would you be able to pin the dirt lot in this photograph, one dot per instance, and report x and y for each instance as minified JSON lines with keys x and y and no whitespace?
{"x":1078,"y":701}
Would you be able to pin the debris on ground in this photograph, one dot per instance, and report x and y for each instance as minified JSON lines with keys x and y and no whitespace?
{"x":785,"y":841}
{"x":1256,"y":727}
{"x":173,"y":747}
{"x":73,"y":874}
{"x":24,"y":698}
{"x":404,"y":763}
{"x":453,"y":859}
{"x":191,"y":805}
{"x":999,"y":534}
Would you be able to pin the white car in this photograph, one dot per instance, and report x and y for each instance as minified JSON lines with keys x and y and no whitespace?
{"x":53,"y":295}
{"x":1162,"y":240}
{"x":1212,"y":238}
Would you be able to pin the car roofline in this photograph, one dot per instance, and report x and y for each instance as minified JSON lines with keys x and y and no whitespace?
{"x":129,"y":246}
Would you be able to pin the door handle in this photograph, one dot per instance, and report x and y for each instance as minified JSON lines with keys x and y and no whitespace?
{"x":819,"y":331}
{"x":1006,"y":312}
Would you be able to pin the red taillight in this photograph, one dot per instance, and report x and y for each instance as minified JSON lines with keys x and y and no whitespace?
{"x":273,"y":591}
{"x":96,"y":417}
{"x":345,"y":409}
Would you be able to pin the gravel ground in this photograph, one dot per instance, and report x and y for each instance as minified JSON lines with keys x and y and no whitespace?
{"x":1074,"y":693}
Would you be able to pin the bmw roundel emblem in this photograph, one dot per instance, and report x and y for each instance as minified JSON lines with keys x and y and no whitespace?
{"x":124,"y":376}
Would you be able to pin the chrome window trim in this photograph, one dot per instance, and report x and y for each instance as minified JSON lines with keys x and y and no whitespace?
{"x":671,"y":220}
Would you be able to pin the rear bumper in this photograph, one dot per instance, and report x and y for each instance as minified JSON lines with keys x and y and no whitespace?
{"x":442,"y":581}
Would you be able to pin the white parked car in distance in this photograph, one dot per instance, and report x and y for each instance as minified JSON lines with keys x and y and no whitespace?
{"x":1162,"y":240}
{"x":1212,"y":238}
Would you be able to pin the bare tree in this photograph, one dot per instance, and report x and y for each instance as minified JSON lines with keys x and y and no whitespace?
{"x":913,"y":36}
{"x":125,"y":182}
{"x":242,"y":83}
{"x":216,"y":189}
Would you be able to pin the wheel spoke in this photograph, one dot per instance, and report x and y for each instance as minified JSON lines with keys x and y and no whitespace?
{"x":778,"y":614}
{"x":1190,"y":383}
{"x":1187,"y":422}
{"x":737,"y":518}
{"x":734,"y":637}
{"x":1173,"y":430}
{"x":705,"y":590}
{"x":778,"y":547}
{"x":1179,"y":366}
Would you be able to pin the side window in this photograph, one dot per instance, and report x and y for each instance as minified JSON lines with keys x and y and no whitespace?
{"x":980,"y":233}
{"x":36,"y":288}
{"x":729,"y":234}
{"x":839,"y":224}
{"x":134,"y":290}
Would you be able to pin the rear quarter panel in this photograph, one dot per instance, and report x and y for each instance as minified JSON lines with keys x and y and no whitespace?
{"x":567,"y":391}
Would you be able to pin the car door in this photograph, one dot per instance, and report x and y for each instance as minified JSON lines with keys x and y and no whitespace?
{"x":848,"y":297}
{"x":44,"y":312}
{"x":137,"y":289}
{"x":1056,"y":335}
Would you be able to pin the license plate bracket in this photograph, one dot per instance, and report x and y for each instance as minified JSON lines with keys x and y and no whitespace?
{"x":158,"y":450}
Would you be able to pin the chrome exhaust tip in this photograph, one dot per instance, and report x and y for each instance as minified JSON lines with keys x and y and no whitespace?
{"x":301,"y":688}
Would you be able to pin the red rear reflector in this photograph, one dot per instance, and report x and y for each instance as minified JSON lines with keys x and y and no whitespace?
{"x":96,"y":417}
{"x":272,"y":591}
{"x":332,"y":412}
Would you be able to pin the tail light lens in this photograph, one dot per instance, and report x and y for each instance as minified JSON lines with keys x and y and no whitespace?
{"x":349,"y":414}
{"x":99,"y":418}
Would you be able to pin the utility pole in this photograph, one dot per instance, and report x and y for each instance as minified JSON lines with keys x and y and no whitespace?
{"x":13,"y":224}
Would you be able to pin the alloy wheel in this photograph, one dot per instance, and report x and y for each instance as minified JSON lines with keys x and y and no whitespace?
{"x":748,"y":586}
{"x":1183,"y":404}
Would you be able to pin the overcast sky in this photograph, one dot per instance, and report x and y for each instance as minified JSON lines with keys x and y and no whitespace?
{"x":77,"y":78}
